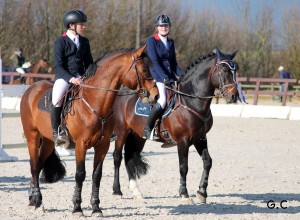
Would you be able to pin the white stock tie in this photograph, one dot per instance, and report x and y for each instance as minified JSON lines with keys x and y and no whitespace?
{"x":76,"y":41}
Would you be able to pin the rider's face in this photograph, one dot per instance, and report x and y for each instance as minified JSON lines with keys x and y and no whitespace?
{"x":80,"y":27}
{"x":163,"y":29}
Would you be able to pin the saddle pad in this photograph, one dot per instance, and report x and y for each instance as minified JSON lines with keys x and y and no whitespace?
{"x":45,"y":102}
{"x":144,"y":109}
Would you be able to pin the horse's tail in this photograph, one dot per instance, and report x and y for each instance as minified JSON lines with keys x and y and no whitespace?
{"x":53,"y":170}
{"x":135,"y":163}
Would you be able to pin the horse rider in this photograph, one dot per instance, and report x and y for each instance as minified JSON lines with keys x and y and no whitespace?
{"x":161,"y":50}
{"x":19,"y":60}
{"x":72,"y":56}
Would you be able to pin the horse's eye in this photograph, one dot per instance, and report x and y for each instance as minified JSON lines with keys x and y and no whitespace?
{"x":144,"y":69}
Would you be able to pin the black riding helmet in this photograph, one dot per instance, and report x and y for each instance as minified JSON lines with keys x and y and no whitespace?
{"x":72,"y":17}
{"x":163,"y":19}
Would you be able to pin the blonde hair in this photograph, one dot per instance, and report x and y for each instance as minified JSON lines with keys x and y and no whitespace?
{"x":280,"y":68}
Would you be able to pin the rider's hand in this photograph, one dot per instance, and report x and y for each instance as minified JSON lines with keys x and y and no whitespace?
{"x":167,"y":81}
{"x":76,"y":81}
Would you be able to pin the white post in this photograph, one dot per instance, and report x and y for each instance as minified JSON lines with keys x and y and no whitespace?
{"x":3,"y":155}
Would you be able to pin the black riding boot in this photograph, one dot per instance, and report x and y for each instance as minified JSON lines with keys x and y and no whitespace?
{"x":154,"y":114}
{"x":59,"y":139}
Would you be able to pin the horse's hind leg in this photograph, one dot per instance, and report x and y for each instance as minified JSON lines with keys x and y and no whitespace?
{"x":201,"y":148}
{"x":135,"y":163}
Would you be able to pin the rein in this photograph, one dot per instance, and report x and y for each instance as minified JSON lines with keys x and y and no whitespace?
{"x":98,"y":88}
{"x":191,"y":96}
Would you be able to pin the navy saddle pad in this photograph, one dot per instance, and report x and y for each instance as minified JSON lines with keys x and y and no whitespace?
{"x":144,"y":109}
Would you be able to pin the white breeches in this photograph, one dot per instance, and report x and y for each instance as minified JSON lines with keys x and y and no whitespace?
{"x":59,"y":89}
{"x":162,"y":94}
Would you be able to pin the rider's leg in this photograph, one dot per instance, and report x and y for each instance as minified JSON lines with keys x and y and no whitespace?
{"x":154,"y":114}
{"x":59,"y":89}
{"x":156,"y":110}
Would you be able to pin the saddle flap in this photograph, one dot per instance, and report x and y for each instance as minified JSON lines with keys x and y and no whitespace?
{"x":144,"y":109}
{"x":45,"y":102}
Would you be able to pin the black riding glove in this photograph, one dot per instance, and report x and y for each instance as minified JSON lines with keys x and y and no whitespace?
{"x":167,"y":82}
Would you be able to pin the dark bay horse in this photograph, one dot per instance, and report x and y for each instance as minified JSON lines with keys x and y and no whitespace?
{"x":88,"y":121}
{"x":187,"y":124}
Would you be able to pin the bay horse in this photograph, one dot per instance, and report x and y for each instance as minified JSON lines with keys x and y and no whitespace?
{"x":88,"y":121}
{"x":187,"y":124}
{"x":40,"y":66}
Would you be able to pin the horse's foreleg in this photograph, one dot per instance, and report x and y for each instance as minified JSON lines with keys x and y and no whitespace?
{"x":95,"y":200}
{"x":183,"y":153}
{"x":207,"y":164}
{"x":79,"y":178}
{"x":100,"y":153}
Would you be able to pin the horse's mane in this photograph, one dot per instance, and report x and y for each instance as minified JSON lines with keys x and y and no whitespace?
{"x":198,"y":61}
{"x":92,"y":67}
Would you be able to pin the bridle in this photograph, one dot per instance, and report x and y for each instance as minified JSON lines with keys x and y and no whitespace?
{"x":222,"y":85}
{"x":139,"y":90}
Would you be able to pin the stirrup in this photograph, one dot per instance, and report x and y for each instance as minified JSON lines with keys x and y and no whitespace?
{"x":151,"y":136}
{"x":62,"y":137}
{"x":147,"y":133}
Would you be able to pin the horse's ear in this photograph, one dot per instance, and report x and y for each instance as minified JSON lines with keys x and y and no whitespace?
{"x":218,"y":53}
{"x":233,"y":54}
{"x":139,"y":52}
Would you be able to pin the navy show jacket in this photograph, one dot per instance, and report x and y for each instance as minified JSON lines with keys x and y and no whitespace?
{"x":164,"y":63}
{"x":69,"y":61}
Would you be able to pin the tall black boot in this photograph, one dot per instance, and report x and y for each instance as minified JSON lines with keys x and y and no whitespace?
{"x":59,"y":139}
{"x":154,"y":114}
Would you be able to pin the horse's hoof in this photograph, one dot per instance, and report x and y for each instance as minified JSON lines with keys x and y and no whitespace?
{"x":117,"y":196}
{"x":97,"y":214}
{"x":201,"y":197}
{"x":187,"y":201}
{"x":137,"y":195}
{"x":78,"y":214}
{"x":39,"y":209}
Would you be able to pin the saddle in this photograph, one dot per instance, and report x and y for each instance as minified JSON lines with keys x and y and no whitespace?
{"x":160,"y":133}
{"x":45,"y":104}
